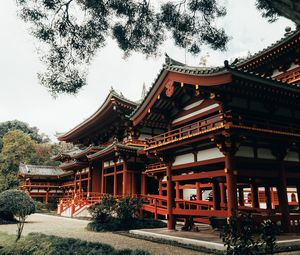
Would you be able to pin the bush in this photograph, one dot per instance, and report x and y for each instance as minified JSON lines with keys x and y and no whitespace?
{"x":113,"y":215}
{"x":238,"y":236}
{"x":40,"y":207}
{"x":116,"y":225}
{"x":19,"y":204}
{"x":128,"y":209}
{"x":103,"y":211}
{"x":62,"y":246}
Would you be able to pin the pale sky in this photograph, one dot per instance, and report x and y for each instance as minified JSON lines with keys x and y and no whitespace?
{"x":23,"y":98}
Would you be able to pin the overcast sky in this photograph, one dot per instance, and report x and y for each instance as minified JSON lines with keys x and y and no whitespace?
{"x":23,"y":98}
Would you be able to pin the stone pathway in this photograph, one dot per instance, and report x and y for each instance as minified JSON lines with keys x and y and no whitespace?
{"x":65,"y":227}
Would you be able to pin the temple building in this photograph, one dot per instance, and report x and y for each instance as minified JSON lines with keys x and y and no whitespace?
{"x":44,"y":182}
{"x":203,"y":144}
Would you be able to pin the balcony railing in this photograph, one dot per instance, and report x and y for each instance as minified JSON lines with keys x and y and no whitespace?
{"x":156,"y":167}
{"x":187,"y":131}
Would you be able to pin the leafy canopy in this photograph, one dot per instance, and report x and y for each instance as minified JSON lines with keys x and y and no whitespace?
{"x":71,"y":31}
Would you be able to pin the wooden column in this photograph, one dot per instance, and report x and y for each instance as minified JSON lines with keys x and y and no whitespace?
{"x":216,"y":195}
{"x":298,"y":195}
{"x":268,"y":197}
{"x":283,"y":199}
{"x":241,"y":197}
{"x":75,"y":183}
{"x":124,"y":186}
{"x":80,"y":182}
{"x":115,"y":180}
{"x":223,"y":194}
{"x":89,"y":182}
{"x":231,"y":186}
{"x":198,"y":191}
{"x":160,"y":191}
{"x":177,"y":190}
{"x":171,"y":220}
{"x":102,"y":179}
{"x":255,"y":198}
{"x":143,"y":184}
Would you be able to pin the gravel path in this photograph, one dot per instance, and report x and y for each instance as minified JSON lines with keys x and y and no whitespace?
{"x":65,"y":227}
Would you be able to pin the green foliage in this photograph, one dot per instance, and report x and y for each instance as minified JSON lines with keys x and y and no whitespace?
{"x":128,"y":209}
{"x":19,"y":204}
{"x":115,"y":224}
{"x":239,"y":234}
{"x":61,"y":246}
{"x":103,"y":211}
{"x":116,"y":215}
{"x":70,"y":42}
{"x":18,"y":147}
{"x":268,"y":235}
{"x":33,"y":132}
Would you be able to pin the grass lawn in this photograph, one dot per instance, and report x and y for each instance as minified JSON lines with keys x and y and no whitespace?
{"x":40,"y":244}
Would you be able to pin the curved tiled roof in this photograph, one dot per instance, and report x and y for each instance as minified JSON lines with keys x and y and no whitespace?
{"x":39,"y":170}
{"x":273,"y":46}
{"x":97,"y":114}
{"x":114,"y":147}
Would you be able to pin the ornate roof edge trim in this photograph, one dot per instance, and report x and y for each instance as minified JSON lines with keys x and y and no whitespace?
{"x":269,"y":48}
{"x":112,"y":94}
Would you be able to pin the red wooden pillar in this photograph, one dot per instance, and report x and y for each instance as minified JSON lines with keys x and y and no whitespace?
{"x":231,"y":186}
{"x":134,"y":184}
{"x":177,"y":188}
{"x":115,"y":180}
{"x":160,"y":190}
{"x":241,"y":197}
{"x":198,"y":191}
{"x":223,"y":194}
{"x":268,"y":197}
{"x":89,"y":182}
{"x":143,"y":184}
{"x":102,"y":179}
{"x":124,"y":186}
{"x":298,"y":195}
{"x":283,"y":199}
{"x":171,"y":220}
{"x":80,"y":182}
{"x":255,"y":198}
{"x":75,"y":183}
{"x":216,"y":195}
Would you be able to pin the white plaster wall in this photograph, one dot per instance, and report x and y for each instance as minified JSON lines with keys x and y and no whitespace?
{"x":245,"y":151}
{"x":195,"y":113}
{"x":265,"y":153}
{"x":209,"y":154}
{"x":292,"y":156}
{"x":184,"y":159}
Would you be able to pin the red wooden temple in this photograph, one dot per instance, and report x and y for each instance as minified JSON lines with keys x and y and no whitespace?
{"x":204,"y":142}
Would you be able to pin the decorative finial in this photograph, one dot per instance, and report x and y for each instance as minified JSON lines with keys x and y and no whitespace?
{"x":111,"y":89}
{"x":144,"y":91}
{"x":288,"y":31}
{"x":226,"y":63}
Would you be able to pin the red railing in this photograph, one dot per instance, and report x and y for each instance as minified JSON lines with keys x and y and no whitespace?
{"x":186,"y":131}
{"x":193,"y":204}
{"x":136,"y":142}
{"x":155,"y":167}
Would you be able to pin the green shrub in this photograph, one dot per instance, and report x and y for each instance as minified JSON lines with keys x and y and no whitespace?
{"x":40,"y":207}
{"x":128,"y":209}
{"x":102,"y":212}
{"x":53,"y":245}
{"x":19,"y":204}
{"x":238,"y":236}
{"x":116,"y":225}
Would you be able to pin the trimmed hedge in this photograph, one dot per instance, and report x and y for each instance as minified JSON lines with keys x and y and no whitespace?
{"x":116,"y":225}
{"x":40,"y":244}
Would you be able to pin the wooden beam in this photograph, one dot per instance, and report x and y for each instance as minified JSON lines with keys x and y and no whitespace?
{"x":202,"y":175}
